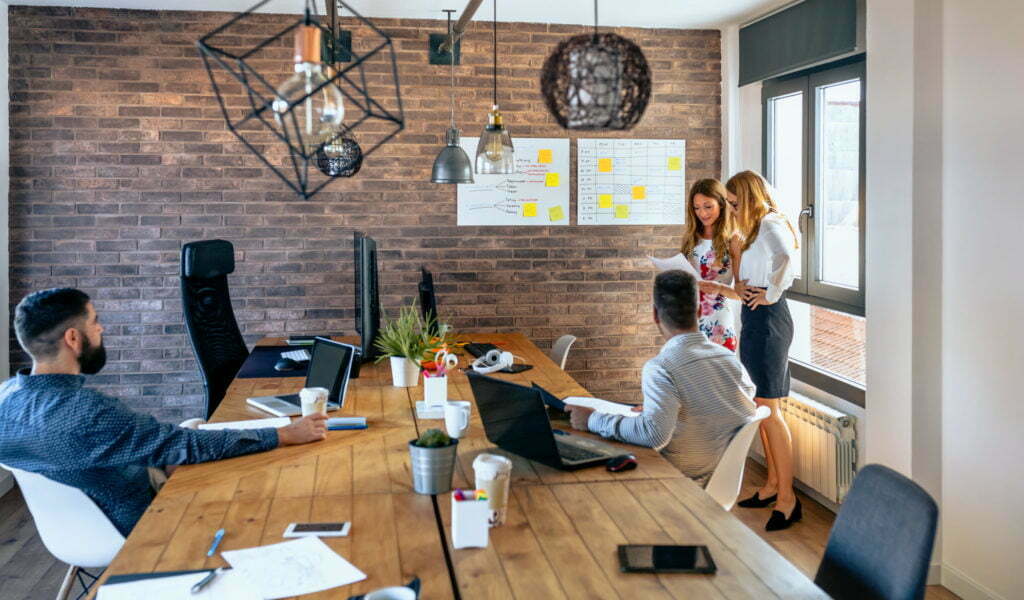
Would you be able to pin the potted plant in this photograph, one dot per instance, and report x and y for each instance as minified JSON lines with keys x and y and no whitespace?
{"x":433,"y":462}
{"x":407,"y":340}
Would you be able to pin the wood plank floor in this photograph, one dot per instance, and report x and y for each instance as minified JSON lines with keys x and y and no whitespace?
{"x":28,"y":571}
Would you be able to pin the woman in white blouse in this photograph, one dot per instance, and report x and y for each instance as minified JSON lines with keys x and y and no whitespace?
{"x":765,"y":273}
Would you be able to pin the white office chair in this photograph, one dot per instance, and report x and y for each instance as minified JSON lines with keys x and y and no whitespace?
{"x":725,"y":482}
{"x":192,"y":423}
{"x":72,"y":527}
{"x":560,"y":350}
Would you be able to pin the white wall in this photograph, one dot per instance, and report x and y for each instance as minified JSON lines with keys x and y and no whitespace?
{"x":983,"y":174}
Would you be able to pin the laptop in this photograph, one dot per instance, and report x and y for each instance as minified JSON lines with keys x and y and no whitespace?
{"x":329,"y":367}
{"x":515,"y":420}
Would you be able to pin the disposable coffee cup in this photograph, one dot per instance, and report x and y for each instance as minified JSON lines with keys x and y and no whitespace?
{"x":313,"y":401}
{"x":493,"y":474}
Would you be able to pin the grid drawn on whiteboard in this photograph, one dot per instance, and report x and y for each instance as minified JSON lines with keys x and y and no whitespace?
{"x":630,"y":182}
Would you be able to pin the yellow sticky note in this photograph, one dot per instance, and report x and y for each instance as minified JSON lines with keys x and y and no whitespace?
{"x":555,"y":213}
{"x":639,"y":192}
{"x":529,"y":209}
{"x":551,"y":180}
{"x":604,"y":200}
{"x":543,"y":156}
{"x":604,"y":165}
{"x":621,"y":211}
{"x":675,"y":163}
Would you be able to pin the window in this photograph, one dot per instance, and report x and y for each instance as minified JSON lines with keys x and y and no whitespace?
{"x":813,"y":156}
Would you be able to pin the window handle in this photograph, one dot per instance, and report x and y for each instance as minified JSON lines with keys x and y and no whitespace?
{"x":808,"y":212}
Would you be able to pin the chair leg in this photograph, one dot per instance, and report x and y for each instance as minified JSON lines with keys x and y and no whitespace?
{"x":69,"y":582}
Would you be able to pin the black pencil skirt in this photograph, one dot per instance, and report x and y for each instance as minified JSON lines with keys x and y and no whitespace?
{"x":764,"y":347}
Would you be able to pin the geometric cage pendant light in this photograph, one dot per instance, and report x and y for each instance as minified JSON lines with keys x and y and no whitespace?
{"x":596,"y":82}
{"x":494,"y":151}
{"x":290,"y":122}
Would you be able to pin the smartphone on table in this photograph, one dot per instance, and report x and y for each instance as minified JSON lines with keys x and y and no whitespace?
{"x":295,"y":530}
{"x":665,"y":559}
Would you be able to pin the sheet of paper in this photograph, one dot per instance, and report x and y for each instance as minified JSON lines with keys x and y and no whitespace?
{"x":676,"y":262}
{"x":253,"y":424}
{"x":302,"y":566}
{"x":604,"y":406}
{"x":229,"y":585}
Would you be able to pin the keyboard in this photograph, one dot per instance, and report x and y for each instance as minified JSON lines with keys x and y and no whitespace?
{"x":574,"y":453}
{"x":479,"y":349}
{"x":296,"y":355}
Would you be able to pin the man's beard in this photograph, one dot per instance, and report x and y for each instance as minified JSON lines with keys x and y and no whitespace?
{"x":92,"y":358}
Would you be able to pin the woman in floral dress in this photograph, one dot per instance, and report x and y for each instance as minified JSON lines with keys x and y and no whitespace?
{"x":710,"y":244}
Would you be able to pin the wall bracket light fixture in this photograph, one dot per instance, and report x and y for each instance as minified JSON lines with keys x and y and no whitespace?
{"x":288,"y":126}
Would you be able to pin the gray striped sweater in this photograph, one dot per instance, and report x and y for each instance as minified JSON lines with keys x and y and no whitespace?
{"x":696,"y":397}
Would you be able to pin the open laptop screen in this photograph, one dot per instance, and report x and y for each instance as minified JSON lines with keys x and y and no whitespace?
{"x":329,"y":367}
{"x":514,"y":418}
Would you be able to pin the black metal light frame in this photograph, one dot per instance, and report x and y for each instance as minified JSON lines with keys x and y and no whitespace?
{"x":261,"y":95}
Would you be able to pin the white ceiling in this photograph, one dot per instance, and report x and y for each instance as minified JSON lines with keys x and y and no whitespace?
{"x":675,"y":14}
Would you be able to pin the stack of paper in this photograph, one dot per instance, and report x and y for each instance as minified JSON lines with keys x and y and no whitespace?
{"x":229,"y":585}
{"x":301,"y":566}
{"x":253,"y":424}
{"x":676,"y":262}
{"x":604,"y":406}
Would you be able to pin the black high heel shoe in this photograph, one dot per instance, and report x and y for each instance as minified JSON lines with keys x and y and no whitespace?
{"x":778,"y":521}
{"x":756,"y":501}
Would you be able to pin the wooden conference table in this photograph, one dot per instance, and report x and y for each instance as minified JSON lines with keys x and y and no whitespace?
{"x":559,"y":540}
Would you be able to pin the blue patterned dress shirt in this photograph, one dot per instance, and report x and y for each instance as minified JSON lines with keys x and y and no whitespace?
{"x":52,"y":425}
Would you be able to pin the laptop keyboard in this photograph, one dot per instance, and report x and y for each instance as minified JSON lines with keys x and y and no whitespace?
{"x":297,"y":355}
{"x":574,"y":453}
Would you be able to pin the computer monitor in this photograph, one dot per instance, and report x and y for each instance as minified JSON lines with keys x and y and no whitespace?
{"x":428,"y":302}
{"x":367,"y":295}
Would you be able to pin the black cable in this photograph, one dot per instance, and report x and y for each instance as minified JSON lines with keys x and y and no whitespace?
{"x":595,"y":19}
{"x":494,"y":24}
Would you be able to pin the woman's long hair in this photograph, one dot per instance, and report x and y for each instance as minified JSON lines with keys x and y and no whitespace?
{"x":722,"y":229}
{"x":751,"y":191}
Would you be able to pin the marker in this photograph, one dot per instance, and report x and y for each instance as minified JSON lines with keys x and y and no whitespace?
{"x":217,"y":537}
{"x":198,"y":587}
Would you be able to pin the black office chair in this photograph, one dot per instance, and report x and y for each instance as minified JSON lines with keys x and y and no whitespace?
{"x":881,"y":541}
{"x":209,"y":318}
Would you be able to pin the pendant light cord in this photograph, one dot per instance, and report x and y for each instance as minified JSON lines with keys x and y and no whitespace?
{"x":453,"y":67}
{"x":494,"y":25}
{"x":595,"y":19}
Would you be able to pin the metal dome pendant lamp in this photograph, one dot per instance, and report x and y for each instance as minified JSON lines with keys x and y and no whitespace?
{"x":597,"y":81}
{"x":452,"y":164}
{"x":494,"y":152}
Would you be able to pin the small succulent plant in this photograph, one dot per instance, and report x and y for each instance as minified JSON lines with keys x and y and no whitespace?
{"x":433,"y":438}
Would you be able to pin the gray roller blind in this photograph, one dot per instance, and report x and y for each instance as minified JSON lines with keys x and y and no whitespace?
{"x":800,"y":36}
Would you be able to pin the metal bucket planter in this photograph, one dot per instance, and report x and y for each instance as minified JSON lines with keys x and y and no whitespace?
{"x":432,"y":468}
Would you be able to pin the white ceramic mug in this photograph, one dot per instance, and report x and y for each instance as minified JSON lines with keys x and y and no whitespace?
{"x":456,"y":418}
{"x":313,"y":401}
{"x":391,"y":593}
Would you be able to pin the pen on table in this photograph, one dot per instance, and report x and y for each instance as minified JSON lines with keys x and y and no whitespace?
{"x":206,"y":580}
{"x":217,"y":537}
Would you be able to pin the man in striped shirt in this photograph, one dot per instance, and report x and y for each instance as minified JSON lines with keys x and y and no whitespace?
{"x":696,"y":394}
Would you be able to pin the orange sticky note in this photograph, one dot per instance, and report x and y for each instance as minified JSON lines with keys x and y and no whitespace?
{"x":639,"y":192}
{"x":621,"y":211}
{"x":555,"y":213}
{"x":675,"y":163}
{"x":604,"y":165}
{"x":529,"y":209}
{"x":544,"y":156}
{"x":551,"y":180}
{"x":604,"y":200}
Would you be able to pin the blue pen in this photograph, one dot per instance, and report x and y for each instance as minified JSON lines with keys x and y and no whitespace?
{"x":217,"y":537}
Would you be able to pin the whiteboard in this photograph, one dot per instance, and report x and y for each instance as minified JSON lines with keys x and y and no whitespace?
{"x":630,"y":182}
{"x":536,"y":194}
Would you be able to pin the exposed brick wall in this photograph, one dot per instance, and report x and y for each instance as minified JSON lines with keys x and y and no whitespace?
{"x":119,"y":155}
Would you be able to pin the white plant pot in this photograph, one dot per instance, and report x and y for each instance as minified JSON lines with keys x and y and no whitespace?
{"x":404,"y":372}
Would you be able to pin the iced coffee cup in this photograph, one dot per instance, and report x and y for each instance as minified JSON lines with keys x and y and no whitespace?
{"x":493,"y":473}
{"x":313,"y":401}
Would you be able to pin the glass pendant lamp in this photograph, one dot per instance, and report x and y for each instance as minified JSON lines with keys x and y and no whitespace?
{"x":452,"y":165}
{"x":317,"y":119}
{"x":494,"y":151}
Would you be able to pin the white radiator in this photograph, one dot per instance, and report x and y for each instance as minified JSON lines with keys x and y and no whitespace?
{"x":824,"y":446}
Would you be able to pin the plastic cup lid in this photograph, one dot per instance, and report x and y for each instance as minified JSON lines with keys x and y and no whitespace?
{"x":491,"y":464}
{"x":313,"y":392}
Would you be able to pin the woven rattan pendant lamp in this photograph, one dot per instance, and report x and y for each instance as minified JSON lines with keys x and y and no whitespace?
{"x":596,"y":81}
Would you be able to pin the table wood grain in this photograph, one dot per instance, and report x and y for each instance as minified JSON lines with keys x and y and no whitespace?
{"x":559,"y":541}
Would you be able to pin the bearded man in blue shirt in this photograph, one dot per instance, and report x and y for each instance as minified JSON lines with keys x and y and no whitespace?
{"x":51,"y":424}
